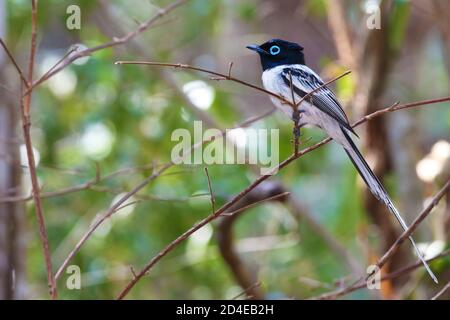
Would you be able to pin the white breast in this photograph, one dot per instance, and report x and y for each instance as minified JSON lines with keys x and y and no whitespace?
{"x":273,"y":82}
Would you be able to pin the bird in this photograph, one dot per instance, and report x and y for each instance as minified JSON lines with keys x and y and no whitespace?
{"x":286,"y":74}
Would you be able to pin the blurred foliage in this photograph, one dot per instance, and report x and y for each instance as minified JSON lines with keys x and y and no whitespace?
{"x":135,"y":112}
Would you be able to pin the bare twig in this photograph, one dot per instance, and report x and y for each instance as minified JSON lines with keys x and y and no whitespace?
{"x":299,"y":210}
{"x":10,"y":91}
{"x":25,"y":104}
{"x":131,"y":193}
{"x":211,"y":193}
{"x":247,"y":290}
{"x":132,"y":271}
{"x":441,"y":292}
{"x":240,"y":195}
{"x":68,"y":53}
{"x":295,"y":116}
{"x":112,"y":25}
{"x":360,"y":284}
{"x":88,"y":185}
{"x":253,"y":204}
{"x":108,"y":213}
{"x":55,"y":69}
{"x":221,"y":76}
{"x":14,"y":62}
{"x":115,"y":42}
{"x":425,"y":212}
{"x":309,"y":94}
{"x":230,"y":66}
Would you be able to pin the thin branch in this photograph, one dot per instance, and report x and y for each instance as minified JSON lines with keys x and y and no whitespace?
{"x":131,"y":193}
{"x":361,"y":284}
{"x":441,"y":292}
{"x":251,"y":205}
{"x":221,"y":76}
{"x":104,"y":217}
{"x":115,"y":42}
{"x":425,"y":212}
{"x":211,"y":193}
{"x":112,"y":25}
{"x":132,"y":271}
{"x":309,"y":94}
{"x":10,"y":91}
{"x":247,"y":290}
{"x":68,"y":53}
{"x":295,"y":116}
{"x":302,"y":213}
{"x":25,"y":104}
{"x":249,"y":188}
{"x":88,"y":185}
{"x":230,"y":66}
{"x":14,"y":62}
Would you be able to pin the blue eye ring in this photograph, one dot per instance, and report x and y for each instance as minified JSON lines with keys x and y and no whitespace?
{"x":274,"y":50}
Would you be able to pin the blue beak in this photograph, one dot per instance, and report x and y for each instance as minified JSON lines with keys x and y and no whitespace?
{"x":256,"y":48}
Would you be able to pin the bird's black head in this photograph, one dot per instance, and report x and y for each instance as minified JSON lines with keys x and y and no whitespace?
{"x":277,"y":52}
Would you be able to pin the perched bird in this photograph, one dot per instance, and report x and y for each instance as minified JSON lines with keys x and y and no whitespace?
{"x":285,"y":73}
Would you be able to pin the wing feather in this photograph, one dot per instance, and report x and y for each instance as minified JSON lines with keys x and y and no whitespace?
{"x":304,"y":81}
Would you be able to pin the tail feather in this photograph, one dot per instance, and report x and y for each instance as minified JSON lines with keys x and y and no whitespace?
{"x":378,"y":190}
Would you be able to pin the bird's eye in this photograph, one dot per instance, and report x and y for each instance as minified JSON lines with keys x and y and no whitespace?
{"x":274,"y":50}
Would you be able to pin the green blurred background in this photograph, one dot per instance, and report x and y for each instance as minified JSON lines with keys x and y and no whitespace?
{"x":95,"y":113}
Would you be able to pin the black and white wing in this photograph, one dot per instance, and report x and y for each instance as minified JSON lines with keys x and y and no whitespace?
{"x":304,"y":80}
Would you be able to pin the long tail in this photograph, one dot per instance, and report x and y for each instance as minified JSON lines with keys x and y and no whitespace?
{"x":378,"y":191}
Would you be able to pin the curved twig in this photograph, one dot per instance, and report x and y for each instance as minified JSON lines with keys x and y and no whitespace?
{"x":240,"y":195}
{"x":115,"y":42}
{"x":129,"y":194}
{"x":362,"y":284}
